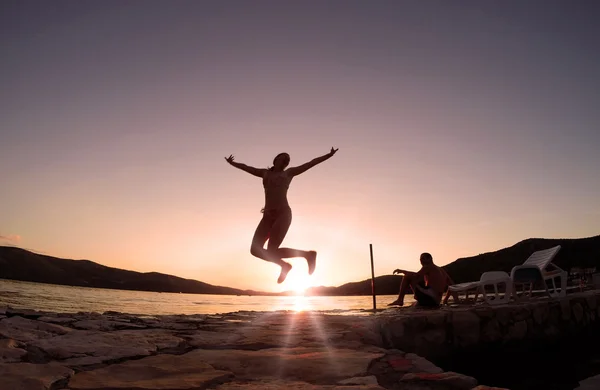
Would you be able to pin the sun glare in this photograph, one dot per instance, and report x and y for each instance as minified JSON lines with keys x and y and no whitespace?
{"x":301,"y":303}
{"x":298,"y":283}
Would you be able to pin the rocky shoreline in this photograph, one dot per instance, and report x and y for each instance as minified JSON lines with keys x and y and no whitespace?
{"x":242,"y":350}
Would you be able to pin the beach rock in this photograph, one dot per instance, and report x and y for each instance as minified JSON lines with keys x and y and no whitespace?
{"x":278,"y":384}
{"x":25,"y":313}
{"x":360,"y":380}
{"x":504,"y":314}
{"x":161,"y":372}
{"x":173,"y":322}
{"x":301,"y":331}
{"x":466,"y":328}
{"x":421,"y":364}
{"x":484,"y":312}
{"x":400,"y":363}
{"x":552,"y":332}
{"x":443,"y":381}
{"x":27,"y":376}
{"x":540,"y":314}
{"x":521,"y":313}
{"x":207,"y":339}
{"x":83,"y":363}
{"x":87,"y":315}
{"x":24,"y":329}
{"x":430,"y":342}
{"x":565,"y":307}
{"x":10,"y":351}
{"x":105,"y":325}
{"x":107,"y":345}
{"x":578,"y":312}
{"x":313,"y":365}
{"x":254,"y":338}
{"x":56,"y":320}
{"x":591,"y":302}
{"x":591,"y":383}
{"x":437,"y":318}
{"x":491,"y":331}
{"x":517,"y":331}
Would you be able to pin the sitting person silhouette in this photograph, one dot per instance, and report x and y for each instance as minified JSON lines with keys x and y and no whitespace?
{"x":277,"y":214}
{"x":428,"y":284}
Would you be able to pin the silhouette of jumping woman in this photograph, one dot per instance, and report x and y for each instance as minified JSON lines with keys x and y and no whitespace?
{"x":277,"y":214}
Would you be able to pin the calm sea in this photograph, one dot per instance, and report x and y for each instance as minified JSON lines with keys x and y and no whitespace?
{"x":66,"y":299}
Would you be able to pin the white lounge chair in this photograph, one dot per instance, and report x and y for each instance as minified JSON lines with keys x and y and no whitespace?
{"x":492,"y":279}
{"x":539,"y":267}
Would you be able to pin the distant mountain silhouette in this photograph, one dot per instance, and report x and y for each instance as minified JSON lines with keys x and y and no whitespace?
{"x":20,"y":264}
{"x":580,"y":252}
{"x":384,"y":285}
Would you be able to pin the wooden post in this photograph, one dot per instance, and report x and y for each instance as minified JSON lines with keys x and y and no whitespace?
{"x":373,"y":279}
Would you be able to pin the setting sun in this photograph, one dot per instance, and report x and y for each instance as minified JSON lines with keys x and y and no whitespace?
{"x":298,"y":283}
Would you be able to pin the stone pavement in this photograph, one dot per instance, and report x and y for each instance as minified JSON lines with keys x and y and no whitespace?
{"x":243,"y":350}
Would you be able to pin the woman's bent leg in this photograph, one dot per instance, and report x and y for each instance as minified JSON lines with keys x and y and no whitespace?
{"x":261,"y":235}
{"x":278,"y":233}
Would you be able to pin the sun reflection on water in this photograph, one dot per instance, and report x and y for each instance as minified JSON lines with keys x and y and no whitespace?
{"x":301,"y":303}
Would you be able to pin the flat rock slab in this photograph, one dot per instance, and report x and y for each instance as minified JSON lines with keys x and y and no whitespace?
{"x":162,"y":372}
{"x":312,"y":365}
{"x":56,"y":320}
{"x":107,"y":345}
{"x":173,"y":322}
{"x":27,"y":313}
{"x":360,"y":380}
{"x":24,"y":329}
{"x":277,"y":384}
{"x":11,"y":351}
{"x":442,"y":381}
{"x":27,"y":376}
{"x":208,"y":339}
{"x":305,"y":329}
{"x":591,"y":383}
{"x":105,"y":325}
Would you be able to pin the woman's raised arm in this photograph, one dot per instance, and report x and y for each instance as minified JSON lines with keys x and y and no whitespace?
{"x":294,"y":171}
{"x":251,"y":170}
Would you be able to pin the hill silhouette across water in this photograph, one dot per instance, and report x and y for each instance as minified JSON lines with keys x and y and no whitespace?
{"x":20,"y":264}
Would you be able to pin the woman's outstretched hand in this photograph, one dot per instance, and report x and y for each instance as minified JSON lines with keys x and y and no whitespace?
{"x":332,"y":152}
{"x":229,"y":159}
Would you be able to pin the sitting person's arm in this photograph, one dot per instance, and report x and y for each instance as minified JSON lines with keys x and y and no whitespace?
{"x":411,"y":274}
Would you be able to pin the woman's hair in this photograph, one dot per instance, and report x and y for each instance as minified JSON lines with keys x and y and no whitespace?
{"x":281,"y":154}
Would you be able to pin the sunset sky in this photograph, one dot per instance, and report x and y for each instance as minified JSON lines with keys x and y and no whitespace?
{"x":463,"y":127}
